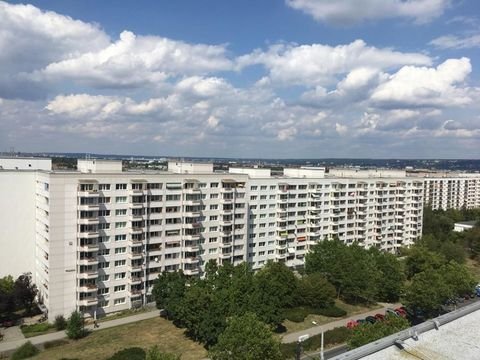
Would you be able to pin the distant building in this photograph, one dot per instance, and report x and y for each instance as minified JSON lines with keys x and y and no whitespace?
{"x":462,"y":226}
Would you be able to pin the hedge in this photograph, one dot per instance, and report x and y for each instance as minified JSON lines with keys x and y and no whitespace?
{"x":335,"y":336}
{"x":299,"y":313}
{"x":134,"y":353}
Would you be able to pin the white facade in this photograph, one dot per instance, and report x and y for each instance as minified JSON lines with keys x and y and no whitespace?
{"x":450,"y":190}
{"x":96,"y":239}
{"x":24,"y":163}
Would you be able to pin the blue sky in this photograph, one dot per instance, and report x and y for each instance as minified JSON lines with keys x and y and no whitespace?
{"x":287,"y":79}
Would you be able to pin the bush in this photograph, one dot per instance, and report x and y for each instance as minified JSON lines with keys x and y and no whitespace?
{"x":335,"y":336}
{"x":134,"y":353}
{"x":32,"y":330}
{"x":54,"y":343}
{"x":25,"y":351}
{"x":75,"y":326}
{"x":60,"y":323}
{"x":297,"y":314}
{"x":331,"y":311}
{"x":155,"y":354}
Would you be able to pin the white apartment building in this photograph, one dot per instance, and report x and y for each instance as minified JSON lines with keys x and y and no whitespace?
{"x":95,"y":239}
{"x":290,"y":213}
{"x":445,"y":190}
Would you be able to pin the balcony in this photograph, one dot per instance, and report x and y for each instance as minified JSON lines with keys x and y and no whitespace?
{"x":191,"y":260}
{"x":191,"y":271}
{"x":88,"y":275}
{"x":88,"y":221}
{"x":89,"y":193}
{"x":192,"y":202}
{"x":88,"y":301}
{"x":88,"y":261}
{"x":193,"y":225}
{"x":136,"y":205}
{"x":88,"y":288}
{"x":88,"y":207}
{"x":135,"y":255}
{"x":88,"y":234}
{"x":134,"y":280}
{"x":191,"y":237}
{"x":88,"y":247}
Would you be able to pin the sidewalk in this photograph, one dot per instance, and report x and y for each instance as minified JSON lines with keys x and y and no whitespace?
{"x":38,"y":340}
{"x":293,"y":337}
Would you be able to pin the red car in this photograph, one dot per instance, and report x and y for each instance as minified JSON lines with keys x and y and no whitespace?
{"x":351,"y":324}
{"x":401,"y":312}
{"x":380,"y":317}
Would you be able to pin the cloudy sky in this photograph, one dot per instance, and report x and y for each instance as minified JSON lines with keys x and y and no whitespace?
{"x":242,"y":78}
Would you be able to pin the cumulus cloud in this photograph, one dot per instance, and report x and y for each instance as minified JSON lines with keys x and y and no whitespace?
{"x":456,"y":42}
{"x":348,"y":12}
{"x":423,"y":86}
{"x":318,"y":64}
{"x":138,"y":60}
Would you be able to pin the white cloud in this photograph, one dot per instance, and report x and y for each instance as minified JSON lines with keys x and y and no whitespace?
{"x":422,"y":86}
{"x":286,"y":134}
{"x":138,"y":60}
{"x":456,"y":42}
{"x":30,"y":37}
{"x":341,"y":129}
{"x":347,"y":12}
{"x":318,"y":64}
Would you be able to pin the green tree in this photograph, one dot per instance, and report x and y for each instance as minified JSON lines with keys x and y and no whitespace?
{"x":7,"y":284}
{"x":246,"y":338}
{"x":315,"y":291}
{"x":392,"y":276}
{"x":60,"y":323}
{"x":25,"y":292}
{"x":7,"y":299}
{"x":75,"y":326}
{"x":168,"y":292}
{"x":458,"y":278}
{"x":281,"y":281}
{"x":419,"y":259}
{"x":366,"y":333}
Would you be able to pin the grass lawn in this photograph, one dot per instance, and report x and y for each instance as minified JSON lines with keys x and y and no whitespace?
{"x":37,"y":329}
{"x":102,"y":344}
{"x":474,"y":267}
{"x":320,"y":319}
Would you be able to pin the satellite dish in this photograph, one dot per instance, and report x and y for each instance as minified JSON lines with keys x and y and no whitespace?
{"x":156,"y":259}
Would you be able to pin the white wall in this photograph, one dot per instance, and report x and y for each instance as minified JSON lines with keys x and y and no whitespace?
{"x":180,"y":167}
{"x":25,"y":164}
{"x":17,"y":223}
{"x":99,"y":166}
{"x":251,"y":172}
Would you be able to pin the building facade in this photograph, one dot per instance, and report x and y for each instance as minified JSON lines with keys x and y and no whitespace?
{"x":96,"y":239}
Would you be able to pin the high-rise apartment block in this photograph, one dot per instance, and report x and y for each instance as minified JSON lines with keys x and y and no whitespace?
{"x":95,"y":239}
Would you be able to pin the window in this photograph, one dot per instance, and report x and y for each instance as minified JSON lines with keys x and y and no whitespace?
{"x":121,"y":186}
{"x":212,"y":251}
{"x":253,"y":188}
{"x":253,"y":197}
{"x":202,"y":185}
{"x":104,"y":252}
{"x":121,"y":224}
{"x":172,"y":197}
{"x":214,"y":185}
{"x":213,"y":228}
{"x":104,"y":213}
{"x":103,"y":303}
{"x":121,"y":212}
{"x":213,"y":196}
{"x":103,"y":239}
{"x":272,"y":197}
{"x":213,"y":217}
{"x":103,"y":291}
{"x":120,"y":262}
{"x":104,"y":187}
{"x":103,"y":264}
{"x":119,"y":276}
{"x":121,"y":199}
{"x":214,"y":207}
{"x":121,"y":250}
{"x":121,"y":237}
{"x":212,"y":240}
{"x":119,"y":301}
{"x":263,"y":187}
{"x":272,"y":187}
{"x":104,"y":200}
{"x":154,"y":186}
{"x":103,"y":277}
{"x":103,"y":226}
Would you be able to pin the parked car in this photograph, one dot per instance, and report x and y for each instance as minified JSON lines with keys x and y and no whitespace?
{"x":8,"y":323}
{"x":351,"y":324}
{"x":477,"y":290}
{"x":401,"y":312}
{"x":391,"y":312}
{"x":380,"y":317}
{"x":371,"y":319}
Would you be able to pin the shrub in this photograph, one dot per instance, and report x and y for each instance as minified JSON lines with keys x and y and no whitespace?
{"x":155,"y":354}
{"x":331,"y":311}
{"x":75,"y":326}
{"x":32,"y":330}
{"x":297,"y":314}
{"x":337,"y":335}
{"x":134,"y":353}
{"x":60,"y":323}
{"x":54,"y":343}
{"x":25,"y":351}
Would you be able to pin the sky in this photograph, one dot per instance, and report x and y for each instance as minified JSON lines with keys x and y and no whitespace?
{"x":242,"y":78}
